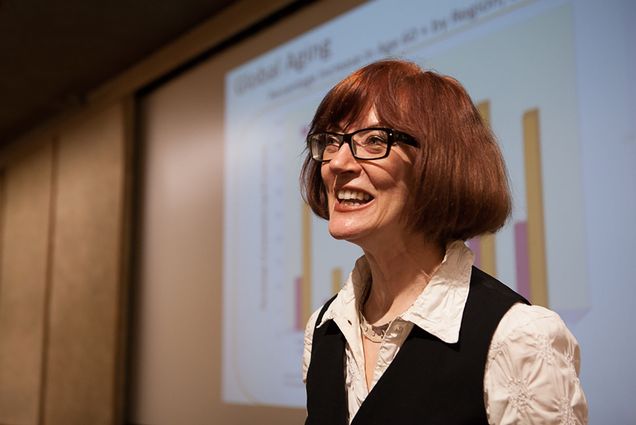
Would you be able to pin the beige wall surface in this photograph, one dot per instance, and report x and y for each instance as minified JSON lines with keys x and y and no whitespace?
{"x":86,"y":287}
{"x":23,"y":284}
{"x":62,"y":275}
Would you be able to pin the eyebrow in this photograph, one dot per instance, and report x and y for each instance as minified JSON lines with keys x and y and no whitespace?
{"x":348,"y":129}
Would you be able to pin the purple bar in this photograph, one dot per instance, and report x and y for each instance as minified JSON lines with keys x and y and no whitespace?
{"x":521,"y":257}
{"x":299,"y":304}
{"x":475,"y":246}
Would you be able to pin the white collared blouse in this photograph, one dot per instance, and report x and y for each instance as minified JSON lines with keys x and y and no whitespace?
{"x":531,"y":374}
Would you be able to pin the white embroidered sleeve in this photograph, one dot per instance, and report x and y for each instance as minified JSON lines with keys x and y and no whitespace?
{"x":532,"y":371}
{"x":309,"y":336}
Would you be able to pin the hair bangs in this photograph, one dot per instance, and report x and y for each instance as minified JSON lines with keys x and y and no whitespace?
{"x":345,"y":104}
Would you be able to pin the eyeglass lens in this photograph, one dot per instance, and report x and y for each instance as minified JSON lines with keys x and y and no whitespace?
{"x":365,"y":144}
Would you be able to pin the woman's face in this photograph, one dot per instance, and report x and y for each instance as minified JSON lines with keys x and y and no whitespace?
{"x":367,"y":198}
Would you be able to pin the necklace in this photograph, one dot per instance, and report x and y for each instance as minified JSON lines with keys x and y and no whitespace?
{"x":373,"y":333}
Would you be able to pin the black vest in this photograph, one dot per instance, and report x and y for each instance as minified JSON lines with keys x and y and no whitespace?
{"x":428,"y":382}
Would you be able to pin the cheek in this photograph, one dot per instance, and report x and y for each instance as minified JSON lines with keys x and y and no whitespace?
{"x":397,"y":192}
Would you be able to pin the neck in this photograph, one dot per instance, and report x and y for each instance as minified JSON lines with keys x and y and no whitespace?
{"x":399,"y":271}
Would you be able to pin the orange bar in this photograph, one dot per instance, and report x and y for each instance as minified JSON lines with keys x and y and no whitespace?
{"x":487,"y":248}
{"x":534,"y":198}
{"x":488,"y":256}
{"x":484,"y":110}
{"x":336,"y":280}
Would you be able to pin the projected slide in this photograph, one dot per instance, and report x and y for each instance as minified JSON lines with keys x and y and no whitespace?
{"x":516,"y":59}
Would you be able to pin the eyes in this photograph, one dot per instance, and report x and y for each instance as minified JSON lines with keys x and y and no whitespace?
{"x":366,"y":143}
{"x":373,"y":141}
{"x":331,"y":143}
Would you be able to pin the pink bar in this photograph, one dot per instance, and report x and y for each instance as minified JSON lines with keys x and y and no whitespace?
{"x":521,"y":257}
{"x":299,"y":304}
{"x":475,"y":246}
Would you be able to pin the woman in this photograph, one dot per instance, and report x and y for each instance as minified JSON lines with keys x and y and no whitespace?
{"x":401,"y":164}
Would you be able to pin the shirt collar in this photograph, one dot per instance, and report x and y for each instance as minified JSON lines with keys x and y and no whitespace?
{"x":437,"y":310}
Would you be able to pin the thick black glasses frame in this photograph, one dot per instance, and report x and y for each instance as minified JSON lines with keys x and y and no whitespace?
{"x":394,"y":137}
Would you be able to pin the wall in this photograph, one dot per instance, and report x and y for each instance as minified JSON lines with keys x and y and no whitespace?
{"x":62,"y":246}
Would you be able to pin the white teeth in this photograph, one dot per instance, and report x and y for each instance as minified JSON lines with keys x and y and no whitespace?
{"x":346,"y":195}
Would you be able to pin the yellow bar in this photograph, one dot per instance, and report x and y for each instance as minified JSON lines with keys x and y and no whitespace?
{"x":487,"y":252}
{"x":306,"y":259}
{"x":336,"y":280}
{"x":488,"y":257}
{"x":484,"y":110}
{"x":534,"y":197}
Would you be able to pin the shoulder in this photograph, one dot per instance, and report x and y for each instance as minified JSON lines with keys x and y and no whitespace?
{"x":532,"y":370}
{"x":526,"y":323}
{"x":528,"y":334}
{"x":490,"y":289}
{"x":489,"y":301}
{"x":309,"y":337}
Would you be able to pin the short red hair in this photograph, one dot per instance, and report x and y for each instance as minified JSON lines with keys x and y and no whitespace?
{"x":460,"y":176}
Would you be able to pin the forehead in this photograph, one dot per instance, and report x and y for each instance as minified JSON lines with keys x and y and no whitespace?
{"x":368,"y":118}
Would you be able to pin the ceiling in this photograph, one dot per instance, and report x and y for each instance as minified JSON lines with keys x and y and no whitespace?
{"x":54,"y":52}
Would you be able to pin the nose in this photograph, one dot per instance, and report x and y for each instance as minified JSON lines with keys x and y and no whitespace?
{"x":343,"y":161}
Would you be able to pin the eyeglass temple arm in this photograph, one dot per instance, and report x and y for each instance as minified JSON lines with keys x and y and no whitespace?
{"x":405,"y":138}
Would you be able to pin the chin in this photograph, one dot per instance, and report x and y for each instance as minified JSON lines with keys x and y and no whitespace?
{"x":347,"y":233}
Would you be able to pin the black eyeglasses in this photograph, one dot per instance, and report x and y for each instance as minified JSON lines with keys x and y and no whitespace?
{"x":367,"y":143}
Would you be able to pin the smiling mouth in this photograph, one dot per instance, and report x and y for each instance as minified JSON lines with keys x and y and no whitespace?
{"x":353,"y":197}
